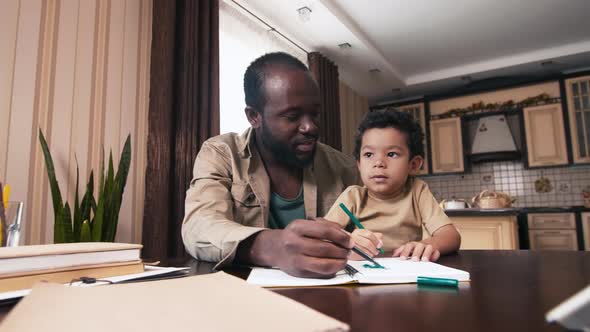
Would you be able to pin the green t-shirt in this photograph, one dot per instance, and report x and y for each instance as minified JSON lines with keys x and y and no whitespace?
{"x":283,"y":211}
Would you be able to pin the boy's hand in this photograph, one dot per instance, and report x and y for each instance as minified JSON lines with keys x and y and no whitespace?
{"x":417,"y":251}
{"x":367,"y":241}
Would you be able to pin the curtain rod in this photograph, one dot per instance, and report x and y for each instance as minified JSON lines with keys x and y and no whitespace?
{"x":271,"y":27}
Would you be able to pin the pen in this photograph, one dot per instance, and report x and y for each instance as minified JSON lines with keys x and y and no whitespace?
{"x":437,"y":281}
{"x":360,"y":252}
{"x":367,"y":257}
{"x":355,"y":221}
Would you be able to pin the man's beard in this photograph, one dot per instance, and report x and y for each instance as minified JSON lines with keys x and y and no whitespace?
{"x":283,"y":153}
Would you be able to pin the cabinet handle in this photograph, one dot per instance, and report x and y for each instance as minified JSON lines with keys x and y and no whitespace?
{"x":552,"y":232}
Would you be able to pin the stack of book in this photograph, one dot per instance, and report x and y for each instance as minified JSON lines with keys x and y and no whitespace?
{"x":21,"y":267}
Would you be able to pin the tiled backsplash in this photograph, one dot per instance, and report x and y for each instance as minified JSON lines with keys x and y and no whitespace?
{"x":511,"y":177}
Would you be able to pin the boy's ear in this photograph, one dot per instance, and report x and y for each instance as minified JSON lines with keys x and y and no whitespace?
{"x":415,"y":164}
{"x":254,"y":117}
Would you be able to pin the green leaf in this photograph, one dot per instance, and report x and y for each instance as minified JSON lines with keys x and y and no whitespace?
{"x":77,"y":214}
{"x":118,"y":188}
{"x":98,"y":220}
{"x":67,"y":222}
{"x":124,"y":164}
{"x":102,"y":175}
{"x":53,"y":184}
{"x":59,"y":227}
{"x":85,"y":235}
{"x":86,"y":206}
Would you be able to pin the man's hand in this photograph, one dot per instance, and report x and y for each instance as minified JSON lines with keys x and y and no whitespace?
{"x":367,"y":241}
{"x":417,"y":251}
{"x":305,"y":248}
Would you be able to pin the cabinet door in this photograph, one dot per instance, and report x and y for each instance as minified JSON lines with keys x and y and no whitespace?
{"x":586,"y":229}
{"x":551,"y":220}
{"x":417,"y":112}
{"x":487,"y":232}
{"x":553,"y":239}
{"x":447,"y":146}
{"x":578,"y":103}
{"x":545,"y":135}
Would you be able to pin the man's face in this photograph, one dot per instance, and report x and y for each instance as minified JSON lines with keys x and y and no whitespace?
{"x":290,"y":118}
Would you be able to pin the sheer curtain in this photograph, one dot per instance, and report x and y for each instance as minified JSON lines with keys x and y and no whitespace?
{"x":241,"y":40}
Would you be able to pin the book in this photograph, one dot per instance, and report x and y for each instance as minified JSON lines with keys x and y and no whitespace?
{"x":150,"y":273}
{"x":25,"y":260}
{"x":574,"y":312}
{"x":197,"y":303}
{"x":69,"y":274}
{"x":396,"y":271}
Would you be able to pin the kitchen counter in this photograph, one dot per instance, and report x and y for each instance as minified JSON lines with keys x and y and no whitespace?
{"x":483,"y":212}
{"x":512,"y":211}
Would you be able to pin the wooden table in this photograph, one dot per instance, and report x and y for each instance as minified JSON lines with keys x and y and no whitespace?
{"x":509,"y":291}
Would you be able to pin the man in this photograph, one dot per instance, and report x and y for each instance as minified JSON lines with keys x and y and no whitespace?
{"x":252,"y":195}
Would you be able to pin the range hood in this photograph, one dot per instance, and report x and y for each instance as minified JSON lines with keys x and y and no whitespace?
{"x":493,"y":140}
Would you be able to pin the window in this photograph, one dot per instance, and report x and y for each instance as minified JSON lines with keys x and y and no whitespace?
{"x":242,"y":38}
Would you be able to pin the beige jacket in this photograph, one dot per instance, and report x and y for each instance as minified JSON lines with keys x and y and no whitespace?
{"x":228,"y":199}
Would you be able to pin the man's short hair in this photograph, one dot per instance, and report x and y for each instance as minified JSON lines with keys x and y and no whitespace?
{"x":404,"y":122}
{"x":256,"y":74}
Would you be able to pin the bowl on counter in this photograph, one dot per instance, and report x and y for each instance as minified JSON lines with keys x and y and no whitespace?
{"x":454,"y":204}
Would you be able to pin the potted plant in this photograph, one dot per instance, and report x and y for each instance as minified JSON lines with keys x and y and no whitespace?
{"x":92,"y":220}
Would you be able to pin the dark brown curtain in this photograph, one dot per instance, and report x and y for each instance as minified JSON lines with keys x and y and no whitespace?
{"x":183,"y":113}
{"x":326,"y":74}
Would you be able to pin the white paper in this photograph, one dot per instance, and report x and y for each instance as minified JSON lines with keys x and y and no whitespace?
{"x":399,"y":271}
{"x":396,"y":271}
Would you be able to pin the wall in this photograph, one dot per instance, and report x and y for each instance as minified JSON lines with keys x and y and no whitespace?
{"x":510,"y":177}
{"x":353,"y":108}
{"x":79,"y":71}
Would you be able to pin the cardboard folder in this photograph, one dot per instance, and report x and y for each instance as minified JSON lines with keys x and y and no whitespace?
{"x":212,"y":302}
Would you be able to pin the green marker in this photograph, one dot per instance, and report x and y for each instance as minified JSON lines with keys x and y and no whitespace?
{"x":355,"y":220}
{"x":437,"y":282}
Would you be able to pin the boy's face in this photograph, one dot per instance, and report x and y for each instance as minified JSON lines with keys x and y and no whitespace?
{"x":385,"y":163}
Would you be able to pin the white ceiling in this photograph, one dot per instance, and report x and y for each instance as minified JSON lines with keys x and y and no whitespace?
{"x":426,"y":46}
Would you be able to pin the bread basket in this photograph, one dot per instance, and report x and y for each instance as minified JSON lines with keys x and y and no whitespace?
{"x":492,"y":200}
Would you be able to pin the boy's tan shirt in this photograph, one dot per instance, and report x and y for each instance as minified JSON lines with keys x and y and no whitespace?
{"x":229,"y":195}
{"x":400,"y":219}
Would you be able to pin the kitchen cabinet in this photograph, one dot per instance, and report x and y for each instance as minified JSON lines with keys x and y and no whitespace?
{"x":586,"y":229}
{"x":417,"y":112}
{"x":493,"y":232}
{"x":446,"y":144}
{"x":552,"y":231}
{"x":545,"y":135}
{"x":578,"y":103}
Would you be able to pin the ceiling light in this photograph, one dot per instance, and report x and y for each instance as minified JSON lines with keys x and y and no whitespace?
{"x":304,"y":14}
{"x":374,"y":71}
{"x":344,"y":46}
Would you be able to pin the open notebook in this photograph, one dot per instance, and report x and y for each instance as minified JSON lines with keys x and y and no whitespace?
{"x":396,"y":271}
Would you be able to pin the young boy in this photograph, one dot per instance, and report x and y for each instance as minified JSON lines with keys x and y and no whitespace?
{"x":393,"y":205}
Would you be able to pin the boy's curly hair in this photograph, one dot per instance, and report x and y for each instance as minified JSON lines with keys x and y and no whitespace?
{"x":392,"y":119}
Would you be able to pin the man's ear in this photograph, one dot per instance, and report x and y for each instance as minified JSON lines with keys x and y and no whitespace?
{"x":254,"y":117}
{"x":415,"y":164}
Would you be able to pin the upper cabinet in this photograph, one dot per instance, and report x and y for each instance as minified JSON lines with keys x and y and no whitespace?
{"x":545,"y":135}
{"x":417,"y":112}
{"x":578,"y":102}
{"x":446,"y":146}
